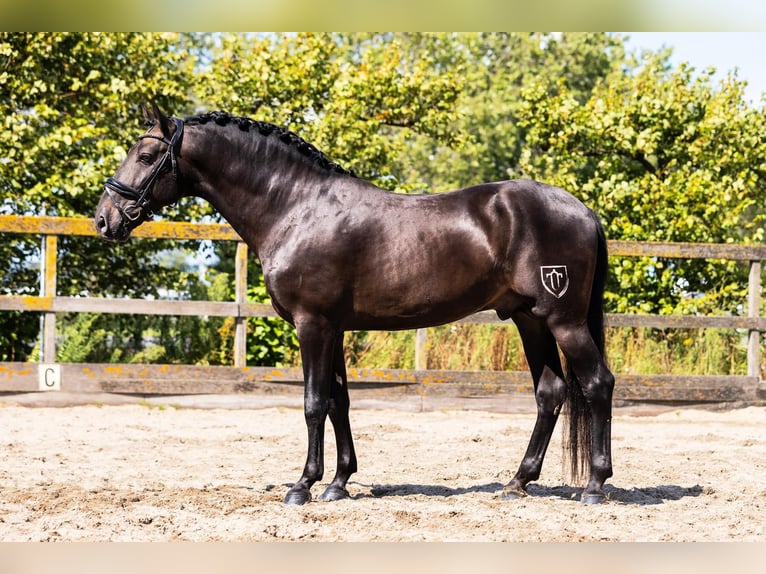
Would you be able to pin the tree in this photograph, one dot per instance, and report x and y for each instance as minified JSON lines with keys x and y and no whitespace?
{"x":70,"y":104}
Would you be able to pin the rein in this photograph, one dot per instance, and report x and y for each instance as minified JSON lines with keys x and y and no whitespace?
{"x":142,"y":195}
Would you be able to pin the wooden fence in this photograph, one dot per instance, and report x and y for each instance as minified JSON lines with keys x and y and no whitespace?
{"x":186,"y":379}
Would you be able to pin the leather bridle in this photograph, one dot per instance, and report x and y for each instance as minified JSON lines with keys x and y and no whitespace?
{"x":143,"y":195}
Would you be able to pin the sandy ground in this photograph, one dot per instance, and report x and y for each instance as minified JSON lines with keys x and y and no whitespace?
{"x":153,"y":473}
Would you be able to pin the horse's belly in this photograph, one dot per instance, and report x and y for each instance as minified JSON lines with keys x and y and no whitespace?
{"x":419,"y":306}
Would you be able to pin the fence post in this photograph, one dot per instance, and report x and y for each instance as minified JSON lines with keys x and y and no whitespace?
{"x":421,"y":349}
{"x":240,"y":296}
{"x":48,"y":289}
{"x":753,"y":311}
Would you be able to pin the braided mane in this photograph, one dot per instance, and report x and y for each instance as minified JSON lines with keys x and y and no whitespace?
{"x":266,"y":129}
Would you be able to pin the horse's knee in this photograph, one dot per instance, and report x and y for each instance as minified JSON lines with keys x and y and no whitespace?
{"x":315,"y":410}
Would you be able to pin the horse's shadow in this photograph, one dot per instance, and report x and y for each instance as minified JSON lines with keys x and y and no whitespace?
{"x":382,"y":490}
{"x":642,"y":496}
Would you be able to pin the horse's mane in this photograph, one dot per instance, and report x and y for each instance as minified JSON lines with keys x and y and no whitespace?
{"x":266,"y":129}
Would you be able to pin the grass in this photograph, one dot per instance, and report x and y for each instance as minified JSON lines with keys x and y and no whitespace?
{"x":677,"y":351}
{"x":498,"y":347}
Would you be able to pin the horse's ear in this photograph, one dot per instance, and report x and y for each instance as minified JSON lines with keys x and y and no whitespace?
{"x":154,"y":116}
{"x":149,"y":118}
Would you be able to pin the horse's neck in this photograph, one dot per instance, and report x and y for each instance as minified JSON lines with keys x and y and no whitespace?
{"x":258,"y":188}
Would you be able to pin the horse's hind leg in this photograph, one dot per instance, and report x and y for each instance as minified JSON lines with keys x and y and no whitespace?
{"x":597,"y":383}
{"x":550,"y":394}
{"x":339,"y":406}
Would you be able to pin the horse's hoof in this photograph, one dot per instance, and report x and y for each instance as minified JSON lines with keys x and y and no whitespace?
{"x":334,"y":493}
{"x":298,"y":496}
{"x":592,"y":498}
{"x":510,"y":493}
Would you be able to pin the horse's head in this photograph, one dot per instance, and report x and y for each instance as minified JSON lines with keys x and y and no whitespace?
{"x":146,"y":181}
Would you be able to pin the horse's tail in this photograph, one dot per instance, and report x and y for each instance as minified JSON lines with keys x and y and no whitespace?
{"x":578,"y":443}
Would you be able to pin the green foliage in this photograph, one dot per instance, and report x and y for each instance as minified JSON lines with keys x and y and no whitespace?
{"x":269,"y":341}
{"x":495,"y":68}
{"x":676,"y":351}
{"x":80,"y":338}
{"x":101,"y":338}
{"x":491,"y":347}
{"x":69,"y":103}
{"x":381,"y":349}
{"x":18,"y":335}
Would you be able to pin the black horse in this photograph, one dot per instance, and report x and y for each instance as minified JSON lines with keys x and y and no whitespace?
{"x":339,"y":254}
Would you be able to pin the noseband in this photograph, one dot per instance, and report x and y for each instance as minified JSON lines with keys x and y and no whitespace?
{"x":142,"y":195}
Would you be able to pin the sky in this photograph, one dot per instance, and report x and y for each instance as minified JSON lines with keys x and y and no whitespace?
{"x":725,"y":51}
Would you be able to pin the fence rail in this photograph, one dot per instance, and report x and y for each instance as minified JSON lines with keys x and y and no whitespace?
{"x":18,"y":376}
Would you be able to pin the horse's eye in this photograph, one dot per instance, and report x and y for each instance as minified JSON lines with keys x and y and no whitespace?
{"x":145,"y":158}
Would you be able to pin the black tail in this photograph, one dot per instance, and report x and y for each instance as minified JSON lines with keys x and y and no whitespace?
{"x":578,"y":443}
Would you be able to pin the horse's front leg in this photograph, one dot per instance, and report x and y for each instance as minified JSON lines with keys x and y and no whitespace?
{"x":317,"y":339}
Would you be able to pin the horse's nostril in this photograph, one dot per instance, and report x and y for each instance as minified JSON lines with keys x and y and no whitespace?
{"x":101,"y":224}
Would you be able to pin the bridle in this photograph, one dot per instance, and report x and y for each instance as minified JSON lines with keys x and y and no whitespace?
{"x":143,"y":195}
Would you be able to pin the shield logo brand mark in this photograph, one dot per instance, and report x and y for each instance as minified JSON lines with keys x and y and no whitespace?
{"x":555,"y":279}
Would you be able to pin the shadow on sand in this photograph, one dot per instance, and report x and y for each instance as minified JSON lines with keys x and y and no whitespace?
{"x":633,"y":496}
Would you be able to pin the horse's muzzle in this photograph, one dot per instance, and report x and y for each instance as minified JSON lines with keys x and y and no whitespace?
{"x":109,"y":225}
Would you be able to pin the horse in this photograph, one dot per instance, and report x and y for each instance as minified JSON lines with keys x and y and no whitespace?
{"x":339,"y":253}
